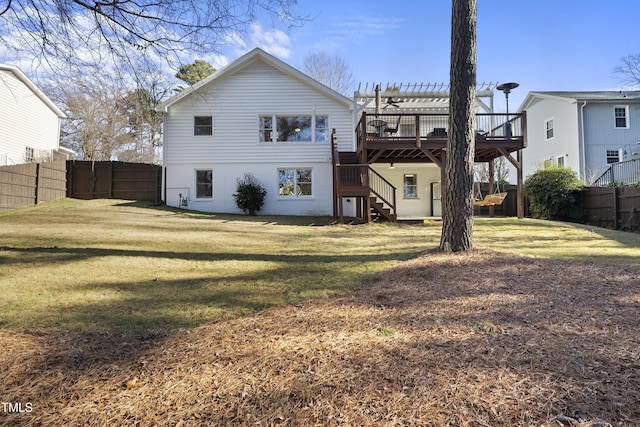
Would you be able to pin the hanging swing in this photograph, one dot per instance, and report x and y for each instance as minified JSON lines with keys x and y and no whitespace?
{"x":490,"y":199}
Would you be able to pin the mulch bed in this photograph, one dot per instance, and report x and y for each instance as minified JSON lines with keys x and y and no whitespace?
{"x":473,"y":339}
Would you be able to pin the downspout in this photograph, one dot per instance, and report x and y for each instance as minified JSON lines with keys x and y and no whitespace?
{"x":581,"y":147}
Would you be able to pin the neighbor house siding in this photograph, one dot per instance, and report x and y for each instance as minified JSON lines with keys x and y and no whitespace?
{"x":565,"y":134}
{"x":601,"y":134}
{"x":25,"y":121}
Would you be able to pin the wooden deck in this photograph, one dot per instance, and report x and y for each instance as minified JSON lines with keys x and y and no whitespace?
{"x":419,"y":138}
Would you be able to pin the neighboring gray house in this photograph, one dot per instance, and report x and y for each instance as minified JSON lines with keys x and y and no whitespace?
{"x":586,"y":131}
{"x":29,"y":121}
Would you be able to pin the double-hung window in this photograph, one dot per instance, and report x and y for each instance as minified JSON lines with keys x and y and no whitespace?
{"x":202,"y":125}
{"x":294,"y":128}
{"x":621,"y":114}
{"x":295,"y":183}
{"x":29,"y":155}
{"x":548,"y":128}
{"x":410,"y":186}
{"x":613,"y":156}
{"x":204,"y":183}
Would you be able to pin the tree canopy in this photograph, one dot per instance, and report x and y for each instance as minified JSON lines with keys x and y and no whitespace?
{"x":193,"y":73}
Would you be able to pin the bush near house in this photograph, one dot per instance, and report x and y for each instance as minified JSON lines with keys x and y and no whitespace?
{"x":249,"y":195}
{"x":553,"y":193}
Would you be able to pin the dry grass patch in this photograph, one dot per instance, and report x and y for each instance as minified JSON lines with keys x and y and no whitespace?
{"x":474,"y":339}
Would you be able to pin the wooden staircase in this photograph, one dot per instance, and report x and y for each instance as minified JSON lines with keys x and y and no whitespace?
{"x":375,"y":196}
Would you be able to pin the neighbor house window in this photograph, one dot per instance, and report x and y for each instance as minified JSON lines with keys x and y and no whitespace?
{"x":294,"y":129}
{"x":29,"y":154}
{"x":548,"y":125}
{"x":613,"y":156}
{"x":295,"y":183}
{"x":621,"y":113}
{"x":204,"y":184}
{"x":410,"y":186}
{"x":202,"y":125}
{"x":561,"y":161}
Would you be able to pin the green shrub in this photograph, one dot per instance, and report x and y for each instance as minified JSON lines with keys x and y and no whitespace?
{"x":249,"y":195}
{"x":553,"y":193}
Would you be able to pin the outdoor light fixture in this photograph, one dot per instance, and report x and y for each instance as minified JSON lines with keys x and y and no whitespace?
{"x":506,"y":88}
{"x":391,"y":166}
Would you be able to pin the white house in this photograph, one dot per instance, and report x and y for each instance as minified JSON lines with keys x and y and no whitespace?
{"x":29,"y":121}
{"x":256,"y":115}
{"x":586,"y":131}
{"x":262,"y":116}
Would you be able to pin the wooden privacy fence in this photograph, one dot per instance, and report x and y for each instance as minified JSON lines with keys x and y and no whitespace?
{"x":114,"y":180}
{"x":31,"y":183}
{"x":612,"y":207}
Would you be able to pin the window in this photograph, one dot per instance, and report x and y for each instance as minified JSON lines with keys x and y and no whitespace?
{"x":204,"y":184}
{"x":410,"y":187}
{"x":294,"y":129}
{"x":202,"y":125}
{"x":561,"y":161}
{"x":548,"y":129}
{"x":621,"y":112}
{"x":613,"y":156}
{"x":295,"y":183}
{"x":29,"y":154}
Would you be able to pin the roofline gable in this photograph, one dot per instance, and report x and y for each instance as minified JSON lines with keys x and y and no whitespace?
{"x":27,"y":82}
{"x":247,"y":59}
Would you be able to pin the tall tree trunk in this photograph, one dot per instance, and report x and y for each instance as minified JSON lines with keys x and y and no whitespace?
{"x":457,"y":225}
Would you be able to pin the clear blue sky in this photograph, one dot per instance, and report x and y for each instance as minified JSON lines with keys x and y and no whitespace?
{"x":541,"y":44}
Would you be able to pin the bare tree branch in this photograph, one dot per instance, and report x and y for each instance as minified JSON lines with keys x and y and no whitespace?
{"x":137,"y":35}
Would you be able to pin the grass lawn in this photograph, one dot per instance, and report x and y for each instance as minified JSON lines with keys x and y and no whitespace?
{"x":124,"y":267}
{"x":119,"y":313}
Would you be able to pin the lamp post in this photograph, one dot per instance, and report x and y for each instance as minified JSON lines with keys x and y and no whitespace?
{"x":506,"y":88}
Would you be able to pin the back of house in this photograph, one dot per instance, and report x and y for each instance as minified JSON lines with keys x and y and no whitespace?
{"x":261,"y":116}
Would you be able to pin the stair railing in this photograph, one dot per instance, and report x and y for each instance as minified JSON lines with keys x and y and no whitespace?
{"x":383,"y":190}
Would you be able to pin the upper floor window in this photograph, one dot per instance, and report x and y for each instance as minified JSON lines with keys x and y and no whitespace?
{"x":621,"y":113}
{"x":294,"y":128}
{"x":295,"y":182}
{"x":548,"y":126}
{"x":29,"y":155}
{"x":410,"y":186}
{"x":204,"y":184}
{"x":202,"y":125}
{"x":613,"y":156}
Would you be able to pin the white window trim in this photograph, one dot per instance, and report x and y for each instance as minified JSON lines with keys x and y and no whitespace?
{"x":417,"y":196}
{"x":194,"y":126}
{"x":195,"y":186}
{"x":274,"y":123}
{"x":295,"y":196}
{"x":626,"y":117}
{"x":553,"y":128}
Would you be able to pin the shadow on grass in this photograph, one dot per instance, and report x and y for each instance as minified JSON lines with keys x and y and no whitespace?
{"x":224,"y":217}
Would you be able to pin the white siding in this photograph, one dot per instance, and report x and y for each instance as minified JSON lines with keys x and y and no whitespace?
{"x":236,"y":101}
{"x":181,"y":180}
{"x":564,"y":143}
{"x":25,"y":121}
{"x":411,"y":208}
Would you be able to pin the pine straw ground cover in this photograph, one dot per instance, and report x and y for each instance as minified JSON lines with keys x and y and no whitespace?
{"x":475,"y":339}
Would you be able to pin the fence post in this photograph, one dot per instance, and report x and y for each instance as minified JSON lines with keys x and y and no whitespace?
{"x":37,"y":182}
{"x":615,"y":207}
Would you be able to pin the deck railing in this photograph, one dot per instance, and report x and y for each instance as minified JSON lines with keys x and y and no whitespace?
{"x":626,"y":172}
{"x":405,"y":126}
